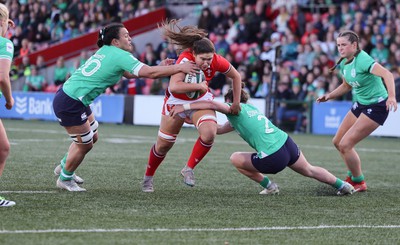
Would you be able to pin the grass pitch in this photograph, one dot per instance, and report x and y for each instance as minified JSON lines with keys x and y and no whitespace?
{"x":223,"y":208}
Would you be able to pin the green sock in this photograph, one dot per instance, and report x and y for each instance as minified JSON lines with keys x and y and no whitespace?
{"x":64,"y":160}
{"x":357,"y":179}
{"x":349,"y":173}
{"x":338,"y":184}
{"x":264,"y":183}
{"x":65,"y":175}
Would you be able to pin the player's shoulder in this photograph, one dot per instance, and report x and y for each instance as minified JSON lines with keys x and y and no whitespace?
{"x":6,"y":46}
{"x":363,"y":54}
{"x":185,"y":56}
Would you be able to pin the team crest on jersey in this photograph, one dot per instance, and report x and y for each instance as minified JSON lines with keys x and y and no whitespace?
{"x":353,"y":72}
{"x":208,"y":71}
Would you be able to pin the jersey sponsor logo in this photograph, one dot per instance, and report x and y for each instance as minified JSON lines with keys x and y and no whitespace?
{"x":10,"y":48}
{"x":354,"y":84}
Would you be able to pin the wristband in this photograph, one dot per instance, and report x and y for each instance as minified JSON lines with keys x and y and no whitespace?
{"x":186,"y":106}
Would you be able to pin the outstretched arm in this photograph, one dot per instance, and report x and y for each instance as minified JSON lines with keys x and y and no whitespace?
{"x":201,"y":105}
{"x":226,"y":128}
{"x":164,"y":70}
{"x":339,"y":91}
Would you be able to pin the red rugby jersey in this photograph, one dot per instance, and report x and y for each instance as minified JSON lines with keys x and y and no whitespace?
{"x":218,"y":64}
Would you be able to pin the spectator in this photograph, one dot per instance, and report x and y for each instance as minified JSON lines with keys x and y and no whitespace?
{"x":206,"y":21}
{"x":380,"y":53}
{"x":221,"y":45}
{"x":60,"y":72}
{"x":17,"y":38}
{"x":35,"y":81}
{"x":25,"y":48}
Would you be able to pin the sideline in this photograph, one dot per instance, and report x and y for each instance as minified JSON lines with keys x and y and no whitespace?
{"x":204,"y":229}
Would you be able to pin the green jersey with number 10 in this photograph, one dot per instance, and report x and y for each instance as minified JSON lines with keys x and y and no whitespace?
{"x":102,"y":70}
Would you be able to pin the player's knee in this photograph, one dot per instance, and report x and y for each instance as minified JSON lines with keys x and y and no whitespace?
{"x":165,"y":142}
{"x":4,"y":151}
{"x":344,"y":147}
{"x":335,"y":142}
{"x":83,"y":139}
{"x":206,"y":119}
{"x":207,"y":127}
{"x":235,"y":160}
{"x":95,"y":138}
{"x":167,"y":137}
{"x":94,"y":125}
{"x":208,"y":137}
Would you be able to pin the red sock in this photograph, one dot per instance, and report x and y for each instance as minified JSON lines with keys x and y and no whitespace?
{"x":200,"y":149}
{"x":154,"y":161}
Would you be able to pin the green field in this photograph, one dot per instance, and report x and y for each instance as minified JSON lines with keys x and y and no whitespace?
{"x":223,"y":208}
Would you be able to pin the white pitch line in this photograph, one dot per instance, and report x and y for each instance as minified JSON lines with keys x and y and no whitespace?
{"x":203,"y":229}
{"x":29,"y":192}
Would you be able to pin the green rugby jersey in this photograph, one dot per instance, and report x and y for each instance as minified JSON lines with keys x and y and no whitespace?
{"x":257,"y":130}
{"x":6,"y":51}
{"x":102,"y":70}
{"x":368,"y":88}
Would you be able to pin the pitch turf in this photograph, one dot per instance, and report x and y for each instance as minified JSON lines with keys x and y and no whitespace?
{"x":223,"y":208}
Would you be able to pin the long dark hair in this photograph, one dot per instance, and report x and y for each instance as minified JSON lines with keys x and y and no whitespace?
{"x":352,"y":37}
{"x":244,"y":96}
{"x":187,"y":37}
{"x":108,"y":33}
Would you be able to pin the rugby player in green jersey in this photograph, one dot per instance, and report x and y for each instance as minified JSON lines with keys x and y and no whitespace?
{"x":375,"y":96}
{"x":103,"y":69}
{"x":6,"y":56}
{"x":275,"y":150}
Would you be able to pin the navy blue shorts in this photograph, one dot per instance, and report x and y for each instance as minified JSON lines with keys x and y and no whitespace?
{"x":70,"y":112}
{"x":276,"y":162}
{"x":376,"y":112}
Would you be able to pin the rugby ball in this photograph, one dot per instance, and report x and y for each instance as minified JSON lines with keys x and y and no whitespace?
{"x":198,"y":78}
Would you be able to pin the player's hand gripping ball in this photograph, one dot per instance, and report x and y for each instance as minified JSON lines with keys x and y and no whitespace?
{"x":198,"y":78}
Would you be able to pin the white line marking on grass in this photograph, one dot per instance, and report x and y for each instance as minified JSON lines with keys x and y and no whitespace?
{"x":41,"y":131}
{"x":358,"y":149}
{"x":204,"y":229}
{"x":29,"y":192}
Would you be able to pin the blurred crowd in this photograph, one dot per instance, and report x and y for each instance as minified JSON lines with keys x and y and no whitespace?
{"x":297,"y":39}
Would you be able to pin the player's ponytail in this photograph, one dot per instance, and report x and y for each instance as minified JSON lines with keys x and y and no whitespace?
{"x":187,"y":37}
{"x":108,"y":33}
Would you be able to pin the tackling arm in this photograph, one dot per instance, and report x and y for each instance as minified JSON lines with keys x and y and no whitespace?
{"x":237,"y":88}
{"x":164,"y":70}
